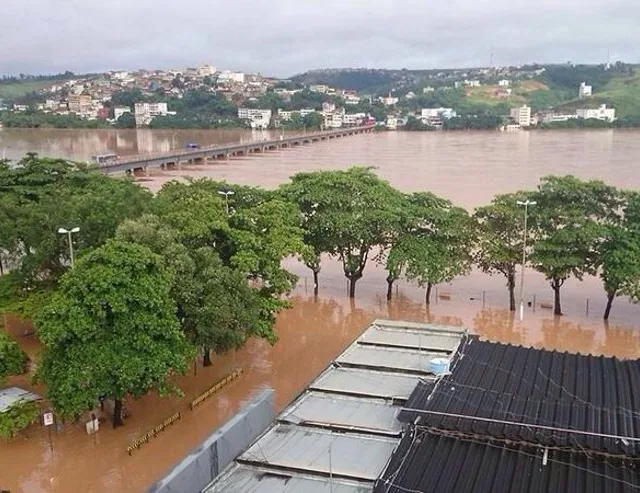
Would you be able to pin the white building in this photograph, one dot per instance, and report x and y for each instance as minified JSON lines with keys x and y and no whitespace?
{"x":328,"y":107}
{"x":392,"y":123}
{"x":555,"y":117}
{"x":585,"y":90}
{"x":321,"y":88}
{"x":436,"y":116}
{"x":120,"y":75}
{"x":206,"y":71}
{"x":472,"y":83}
{"x":287,"y":115}
{"x":334,"y":118}
{"x":504,"y":83}
{"x":118,"y":111}
{"x":427,"y":90}
{"x":257,"y":118}
{"x":145,"y":112}
{"x":233,"y":77}
{"x":353,"y":119}
{"x":389,"y":100}
{"x":522,"y":115}
{"x":602,"y":113}
{"x":350,"y":98}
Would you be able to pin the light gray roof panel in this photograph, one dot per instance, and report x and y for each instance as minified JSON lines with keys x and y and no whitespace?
{"x":14,"y":395}
{"x":398,"y":324}
{"x":411,"y":338}
{"x":387,"y":358}
{"x":366,"y":383}
{"x":342,"y":411}
{"x":243,"y":479}
{"x":352,"y":456}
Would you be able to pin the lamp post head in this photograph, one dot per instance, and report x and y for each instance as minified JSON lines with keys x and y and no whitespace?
{"x":526,"y":202}
{"x":75,"y":230}
{"x":62,"y":231}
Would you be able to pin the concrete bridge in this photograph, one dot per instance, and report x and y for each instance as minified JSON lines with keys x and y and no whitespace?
{"x":203,"y":154}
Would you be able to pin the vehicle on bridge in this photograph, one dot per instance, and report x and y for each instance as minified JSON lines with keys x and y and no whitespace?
{"x":102,"y":159}
{"x":192,"y":145}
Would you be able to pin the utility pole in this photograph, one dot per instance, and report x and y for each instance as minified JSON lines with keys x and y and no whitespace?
{"x":526,"y":205}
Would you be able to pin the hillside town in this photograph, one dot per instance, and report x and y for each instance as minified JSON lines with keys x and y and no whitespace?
{"x":259,"y":102}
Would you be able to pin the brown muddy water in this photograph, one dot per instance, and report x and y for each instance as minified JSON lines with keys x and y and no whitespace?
{"x":468,"y":168}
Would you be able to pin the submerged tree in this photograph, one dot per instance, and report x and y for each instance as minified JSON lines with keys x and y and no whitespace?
{"x":111,"y":330}
{"x":500,"y":239}
{"x":571,"y":216}
{"x":620,"y":255}
{"x":435,"y":245}
{"x":346,"y":214}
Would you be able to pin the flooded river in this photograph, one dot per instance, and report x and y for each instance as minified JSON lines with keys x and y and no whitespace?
{"x":468,"y":168}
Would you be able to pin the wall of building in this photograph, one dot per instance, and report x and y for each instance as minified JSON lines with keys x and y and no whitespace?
{"x":202,"y":465}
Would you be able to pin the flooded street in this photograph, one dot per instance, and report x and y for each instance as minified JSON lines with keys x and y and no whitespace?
{"x":468,"y":168}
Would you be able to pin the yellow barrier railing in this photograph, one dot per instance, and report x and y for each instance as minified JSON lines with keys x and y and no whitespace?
{"x":145,"y":438}
{"x":208,"y":393}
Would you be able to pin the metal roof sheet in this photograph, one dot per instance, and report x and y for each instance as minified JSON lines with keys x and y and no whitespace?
{"x":305,"y":449}
{"x":430,"y":462}
{"x":397,"y":359}
{"x":342,"y":411}
{"x":597,"y":398}
{"x":367,"y":383}
{"x":418,"y":338}
{"x":244,"y":479}
{"x":13,"y":395}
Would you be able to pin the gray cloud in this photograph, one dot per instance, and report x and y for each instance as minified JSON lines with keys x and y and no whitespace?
{"x":282,"y":37}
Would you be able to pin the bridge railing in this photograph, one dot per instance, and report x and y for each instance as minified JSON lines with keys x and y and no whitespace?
{"x":225,"y":147}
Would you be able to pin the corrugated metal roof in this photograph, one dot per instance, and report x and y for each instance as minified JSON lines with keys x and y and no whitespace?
{"x":394,"y":359}
{"x":426,"y":462}
{"x":348,"y":414}
{"x":312,"y":450}
{"x":360,"y":414}
{"x":367,"y":383}
{"x":544,"y":388}
{"x":244,"y":479}
{"x":14,"y":395}
{"x":418,"y":338}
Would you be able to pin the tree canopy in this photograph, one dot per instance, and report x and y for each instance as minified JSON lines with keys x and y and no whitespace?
{"x":110,"y":330}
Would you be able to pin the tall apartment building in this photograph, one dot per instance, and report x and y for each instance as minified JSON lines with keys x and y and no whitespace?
{"x":145,"y":112}
{"x":522,"y":115}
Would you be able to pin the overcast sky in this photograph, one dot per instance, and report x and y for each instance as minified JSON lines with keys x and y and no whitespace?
{"x":284,"y":37}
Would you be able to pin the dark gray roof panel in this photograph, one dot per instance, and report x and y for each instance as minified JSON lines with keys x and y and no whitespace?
{"x":517,"y":384}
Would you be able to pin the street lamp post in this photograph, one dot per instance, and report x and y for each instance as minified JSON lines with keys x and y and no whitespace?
{"x":226,"y":198}
{"x":526,"y":205}
{"x":69,"y":232}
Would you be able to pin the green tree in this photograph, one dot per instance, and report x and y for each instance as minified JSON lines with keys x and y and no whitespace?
{"x":12,"y":358}
{"x":570,"y":216}
{"x":436,"y":245}
{"x":127,"y":120}
{"x":42,"y":195}
{"x":620,"y":255}
{"x":223,"y":311}
{"x":346,"y":214}
{"x":111,"y":330}
{"x":500,"y":234}
{"x":313,"y":121}
{"x":18,"y":417}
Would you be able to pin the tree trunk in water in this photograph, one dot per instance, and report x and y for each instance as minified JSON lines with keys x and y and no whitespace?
{"x":428,"y":295}
{"x":206,"y":360}
{"x":511,"y":284}
{"x":389,"y":288}
{"x":610,"y":298}
{"x":315,"y":283}
{"x":117,"y":413}
{"x":557,"y":309}
{"x":352,"y":286}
